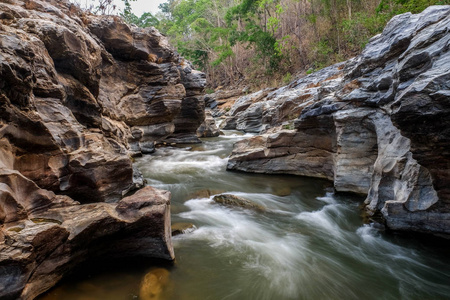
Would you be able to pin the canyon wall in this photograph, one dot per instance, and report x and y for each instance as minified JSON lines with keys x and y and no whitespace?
{"x":377,"y":124}
{"x":80,"y":95}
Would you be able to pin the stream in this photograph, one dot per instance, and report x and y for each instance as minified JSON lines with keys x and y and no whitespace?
{"x":306,"y":243}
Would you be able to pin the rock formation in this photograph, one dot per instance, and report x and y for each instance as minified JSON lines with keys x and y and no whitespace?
{"x":208,"y":128}
{"x":377,"y":124}
{"x":38,"y":250}
{"x":79,"y":96}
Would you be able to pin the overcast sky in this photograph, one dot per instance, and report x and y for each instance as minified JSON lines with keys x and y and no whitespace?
{"x":139,"y":7}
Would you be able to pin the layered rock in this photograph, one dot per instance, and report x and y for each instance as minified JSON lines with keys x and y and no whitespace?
{"x":208,"y":128}
{"x":269,"y":108}
{"x":221,"y":100}
{"x":375,"y":125}
{"x":36,"y":252}
{"x":192,"y":112}
{"x":79,"y":95}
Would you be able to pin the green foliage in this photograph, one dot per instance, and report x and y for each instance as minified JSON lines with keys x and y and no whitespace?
{"x":224,"y":53}
{"x":287,"y":78}
{"x":402,"y":6}
{"x":289,"y":126}
{"x":233,"y":39}
{"x":145,"y":20}
{"x":322,"y":54}
{"x":358,"y":30}
{"x":260,"y":36}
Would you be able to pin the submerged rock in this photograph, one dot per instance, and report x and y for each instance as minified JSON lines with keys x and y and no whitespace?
{"x":180,"y":228}
{"x":153,"y":284}
{"x":375,"y":125}
{"x":233,"y":200}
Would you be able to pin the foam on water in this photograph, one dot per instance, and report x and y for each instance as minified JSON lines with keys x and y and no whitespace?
{"x":312,"y":263}
{"x":300,"y":248}
{"x":266,"y":256}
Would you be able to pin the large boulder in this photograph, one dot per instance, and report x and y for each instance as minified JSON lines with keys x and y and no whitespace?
{"x":375,"y":125}
{"x":36,"y":252}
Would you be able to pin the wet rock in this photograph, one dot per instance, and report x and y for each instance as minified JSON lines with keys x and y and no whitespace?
{"x":282,"y":191}
{"x":208,"y":128}
{"x":180,"y":228}
{"x":375,"y":125}
{"x":233,"y":200}
{"x":192,"y":111}
{"x":237,"y":117}
{"x":187,"y":122}
{"x":309,"y":152}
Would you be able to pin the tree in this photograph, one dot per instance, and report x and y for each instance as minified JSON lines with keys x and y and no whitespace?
{"x":233,"y":40}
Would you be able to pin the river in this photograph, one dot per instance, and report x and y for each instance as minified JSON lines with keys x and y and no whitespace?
{"x":306,"y":243}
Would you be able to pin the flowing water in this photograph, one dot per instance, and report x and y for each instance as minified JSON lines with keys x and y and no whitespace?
{"x":305,"y":242}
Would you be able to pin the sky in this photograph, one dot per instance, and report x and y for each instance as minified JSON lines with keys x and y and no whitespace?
{"x":141,"y":6}
{"x":138,"y":7}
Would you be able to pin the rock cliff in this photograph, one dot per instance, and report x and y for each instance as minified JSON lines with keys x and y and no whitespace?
{"x":377,"y":124}
{"x":79,"y":96}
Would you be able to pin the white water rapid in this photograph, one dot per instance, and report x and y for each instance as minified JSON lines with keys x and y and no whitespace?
{"x":304,"y":243}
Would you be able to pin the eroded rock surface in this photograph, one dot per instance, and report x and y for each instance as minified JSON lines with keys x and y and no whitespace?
{"x":376,"y":125}
{"x":79,"y":96}
{"x":208,"y":128}
{"x":36,"y":252}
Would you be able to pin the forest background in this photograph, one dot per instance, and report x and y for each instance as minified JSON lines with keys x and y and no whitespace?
{"x":262,"y":43}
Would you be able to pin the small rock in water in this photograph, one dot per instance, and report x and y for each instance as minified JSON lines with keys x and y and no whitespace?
{"x":153,"y":284}
{"x":205,"y":193}
{"x":180,"y":228}
{"x":232,"y":200}
{"x":282,"y":191}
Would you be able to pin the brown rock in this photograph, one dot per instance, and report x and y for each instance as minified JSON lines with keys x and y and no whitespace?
{"x":153,"y":284}
{"x":79,"y":95}
{"x":208,"y":128}
{"x":180,"y":228}
{"x":60,"y":238}
{"x":232,"y":200}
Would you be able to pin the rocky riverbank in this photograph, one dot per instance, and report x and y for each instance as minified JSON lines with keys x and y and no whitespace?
{"x":375,"y":125}
{"x":79,"y":96}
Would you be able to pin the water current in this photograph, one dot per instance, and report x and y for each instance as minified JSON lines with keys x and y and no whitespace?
{"x":306,"y":242}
